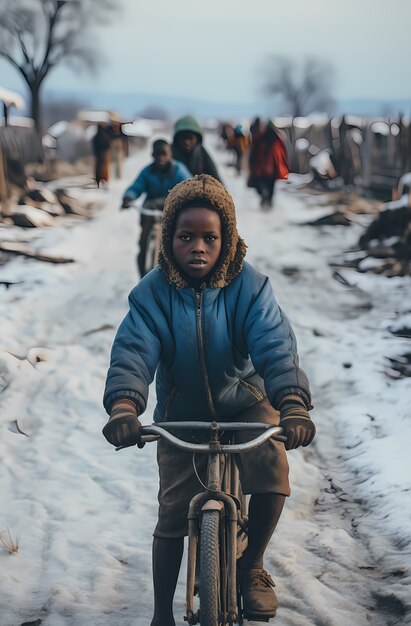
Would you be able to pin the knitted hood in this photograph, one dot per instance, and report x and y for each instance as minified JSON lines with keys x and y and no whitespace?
{"x":190,"y":124}
{"x":202,"y":188}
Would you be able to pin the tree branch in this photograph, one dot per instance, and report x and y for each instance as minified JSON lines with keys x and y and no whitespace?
{"x":14,"y":63}
{"x":29,"y":61}
{"x":53,"y":17}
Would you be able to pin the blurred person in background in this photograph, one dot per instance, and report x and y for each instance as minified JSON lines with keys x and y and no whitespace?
{"x":102,"y":154}
{"x":240,"y":145}
{"x":268,"y":161}
{"x":256,"y":127}
{"x":117,"y":148}
{"x":155,"y":181}
{"x":188,"y":147}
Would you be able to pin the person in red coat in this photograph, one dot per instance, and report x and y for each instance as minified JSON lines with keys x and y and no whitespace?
{"x":268,"y":162}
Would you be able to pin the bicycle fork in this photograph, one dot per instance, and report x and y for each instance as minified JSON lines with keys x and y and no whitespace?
{"x":215,"y":500}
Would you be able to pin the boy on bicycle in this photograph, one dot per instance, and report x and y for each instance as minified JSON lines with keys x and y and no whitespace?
{"x":155,"y":180}
{"x":207,"y":323}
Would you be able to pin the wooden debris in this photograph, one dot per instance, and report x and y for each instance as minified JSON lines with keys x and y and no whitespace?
{"x":15,"y":428}
{"x":70,"y":205}
{"x":290,"y":270}
{"x":402,"y":332}
{"x":388,"y":224}
{"x":401,"y":365}
{"x":340,"y":279}
{"x":36,"y":197}
{"x":333,"y":219}
{"x":7,"y":284}
{"x":27,"y":216}
{"x":99,"y":329}
{"x":18,"y":248}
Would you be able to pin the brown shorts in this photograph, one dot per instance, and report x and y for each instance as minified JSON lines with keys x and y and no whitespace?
{"x":263,"y":470}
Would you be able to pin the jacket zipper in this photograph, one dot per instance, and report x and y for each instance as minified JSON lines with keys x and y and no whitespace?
{"x":255,"y":391}
{"x":202,"y":356}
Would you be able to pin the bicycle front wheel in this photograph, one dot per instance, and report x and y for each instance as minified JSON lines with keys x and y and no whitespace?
{"x":210,"y":584}
{"x":151,"y":252}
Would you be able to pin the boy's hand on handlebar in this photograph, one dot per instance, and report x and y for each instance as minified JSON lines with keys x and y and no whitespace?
{"x":296,"y":423}
{"x":123,"y":427}
{"x":126,"y":203}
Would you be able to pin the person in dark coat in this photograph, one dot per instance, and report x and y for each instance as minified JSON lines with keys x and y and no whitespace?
{"x":239,"y":363}
{"x":101,"y":149}
{"x":188,"y":148}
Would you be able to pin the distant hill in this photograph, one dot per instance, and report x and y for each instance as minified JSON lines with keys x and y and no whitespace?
{"x":129,"y":104}
{"x":365,"y":107}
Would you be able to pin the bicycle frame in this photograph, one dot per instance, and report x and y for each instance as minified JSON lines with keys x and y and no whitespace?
{"x":215,"y":497}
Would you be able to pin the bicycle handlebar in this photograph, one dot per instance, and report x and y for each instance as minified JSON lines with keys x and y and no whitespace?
{"x":153,"y":208}
{"x":156,"y":431}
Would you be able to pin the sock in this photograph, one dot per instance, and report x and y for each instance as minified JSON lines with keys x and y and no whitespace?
{"x":167,"y":555}
{"x":264,"y":512}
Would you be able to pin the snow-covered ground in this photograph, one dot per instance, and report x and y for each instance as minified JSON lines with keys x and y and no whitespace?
{"x":84,"y":514}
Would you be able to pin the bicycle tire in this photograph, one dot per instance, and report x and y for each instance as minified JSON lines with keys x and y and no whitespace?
{"x":149,"y":261}
{"x":210,"y":569}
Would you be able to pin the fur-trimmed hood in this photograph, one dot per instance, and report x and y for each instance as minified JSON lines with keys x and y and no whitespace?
{"x":202,"y":188}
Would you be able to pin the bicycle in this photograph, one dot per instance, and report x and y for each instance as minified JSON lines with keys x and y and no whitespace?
{"x":217,"y":519}
{"x":151,"y":213}
{"x":152,"y":247}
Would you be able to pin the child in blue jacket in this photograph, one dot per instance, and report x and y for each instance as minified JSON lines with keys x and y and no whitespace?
{"x":207,"y":323}
{"x":155,"y":180}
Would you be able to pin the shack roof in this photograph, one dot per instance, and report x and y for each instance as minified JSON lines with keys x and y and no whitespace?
{"x":11,"y":99}
{"x":94,"y":116}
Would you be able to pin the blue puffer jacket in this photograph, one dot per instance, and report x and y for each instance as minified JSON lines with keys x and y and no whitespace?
{"x":155,"y":183}
{"x":214,"y":352}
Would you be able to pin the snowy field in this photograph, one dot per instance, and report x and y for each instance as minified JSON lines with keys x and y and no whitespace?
{"x":84,"y":514}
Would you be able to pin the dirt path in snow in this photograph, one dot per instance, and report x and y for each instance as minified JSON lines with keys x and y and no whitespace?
{"x":91,"y":512}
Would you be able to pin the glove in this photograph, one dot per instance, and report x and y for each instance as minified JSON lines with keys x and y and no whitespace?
{"x":123,"y":428}
{"x":126,"y":202}
{"x":296,"y":422}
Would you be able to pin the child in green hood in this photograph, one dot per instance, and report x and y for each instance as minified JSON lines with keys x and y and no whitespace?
{"x":239,"y":363}
{"x":188,"y":147}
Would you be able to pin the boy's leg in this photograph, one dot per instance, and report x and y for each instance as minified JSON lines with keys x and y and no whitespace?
{"x":264,"y":474}
{"x":264,"y":512}
{"x":167,"y":554}
{"x":259,"y":598}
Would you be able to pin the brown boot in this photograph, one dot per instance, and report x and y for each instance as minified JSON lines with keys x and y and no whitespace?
{"x":259,"y":599}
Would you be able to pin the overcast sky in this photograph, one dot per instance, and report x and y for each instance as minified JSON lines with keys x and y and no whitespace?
{"x":213,"y":49}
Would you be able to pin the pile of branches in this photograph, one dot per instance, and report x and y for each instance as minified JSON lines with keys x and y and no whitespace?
{"x":36,"y":207}
{"x":385,"y":246}
{"x":388,"y":238}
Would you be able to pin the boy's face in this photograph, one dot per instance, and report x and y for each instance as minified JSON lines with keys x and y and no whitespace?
{"x":187,"y":140}
{"x":162,"y":156}
{"x":197,"y":241}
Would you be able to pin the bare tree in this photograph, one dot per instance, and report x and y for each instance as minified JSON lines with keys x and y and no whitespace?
{"x":38,"y":35}
{"x":303,"y":87}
